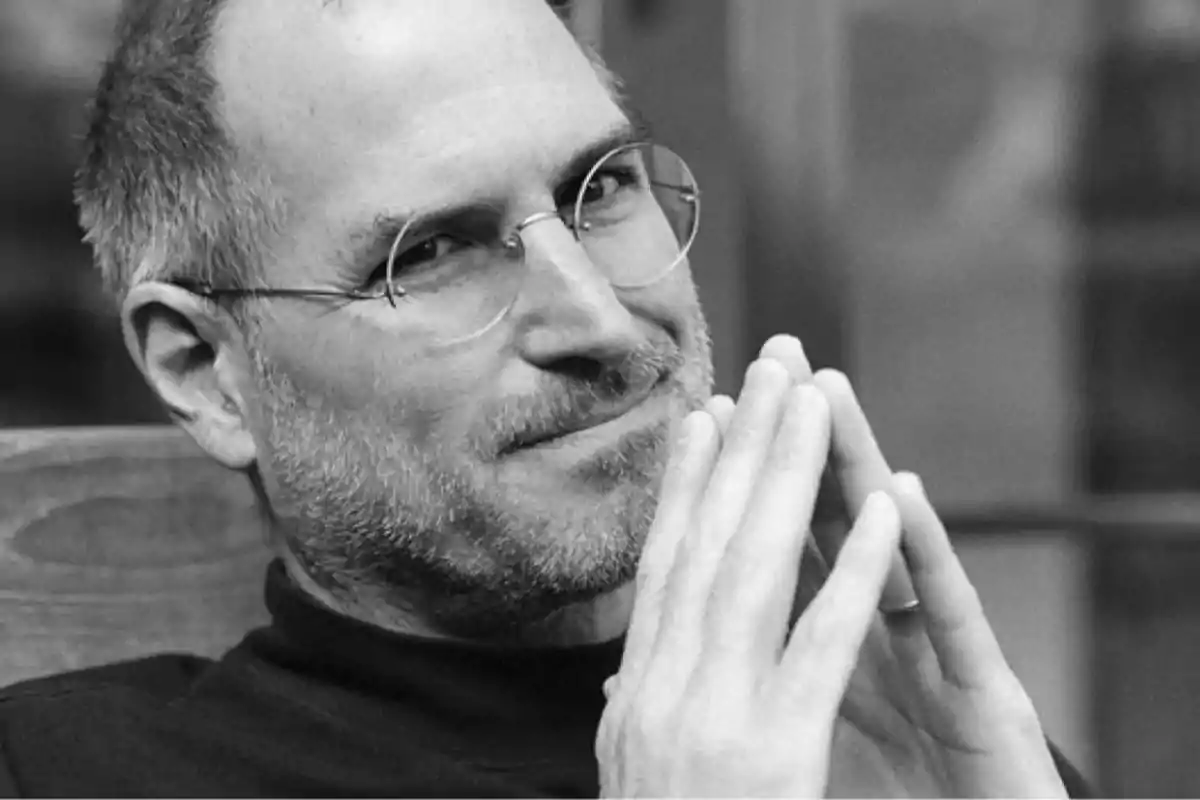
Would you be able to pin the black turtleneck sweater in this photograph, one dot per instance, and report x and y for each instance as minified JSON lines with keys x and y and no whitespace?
{"x":316,"y":705}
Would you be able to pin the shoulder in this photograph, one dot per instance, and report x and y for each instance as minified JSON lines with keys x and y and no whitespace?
{"x":155,"y":677}
{"x":95,"y":699}
{"x":83,"y":714}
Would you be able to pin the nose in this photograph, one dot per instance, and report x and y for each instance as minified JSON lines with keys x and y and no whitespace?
{"x":568,"y":311}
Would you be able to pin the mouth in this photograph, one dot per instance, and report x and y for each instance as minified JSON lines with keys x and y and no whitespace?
{"x":625,"y":415}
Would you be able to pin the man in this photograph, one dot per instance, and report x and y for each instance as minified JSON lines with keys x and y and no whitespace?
{"x":410,"y":266}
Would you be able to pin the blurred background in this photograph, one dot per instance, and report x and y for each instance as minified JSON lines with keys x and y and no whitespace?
{"x":983,"y":210}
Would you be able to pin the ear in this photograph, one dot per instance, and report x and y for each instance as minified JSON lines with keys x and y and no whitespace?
{"x":192,"y":355}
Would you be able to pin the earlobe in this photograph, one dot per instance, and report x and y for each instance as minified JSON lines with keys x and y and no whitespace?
{"x":191,"y":355}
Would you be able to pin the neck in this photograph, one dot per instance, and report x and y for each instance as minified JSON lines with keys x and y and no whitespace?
{"x":599,"y":619}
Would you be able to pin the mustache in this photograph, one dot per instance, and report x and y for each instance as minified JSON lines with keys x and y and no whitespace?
{"x":580,"y":394}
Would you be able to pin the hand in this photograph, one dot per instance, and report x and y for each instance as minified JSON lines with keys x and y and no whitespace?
{"x":713,"y":695}
{"x":932,"y":708}
{"x":859,"y":476}
{"x":933,"y":701}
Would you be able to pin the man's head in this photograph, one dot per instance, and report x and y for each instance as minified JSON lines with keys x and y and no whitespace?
{"x":266,"y":151}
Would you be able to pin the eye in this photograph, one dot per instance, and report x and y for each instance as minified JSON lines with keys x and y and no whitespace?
{"x":425,"y":252}
{"x":609,"y":182}
{"x":421,"y":256}
{"x":603,"y":186}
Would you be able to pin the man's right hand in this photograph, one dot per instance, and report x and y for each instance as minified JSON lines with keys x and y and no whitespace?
{"x":713,"y":695}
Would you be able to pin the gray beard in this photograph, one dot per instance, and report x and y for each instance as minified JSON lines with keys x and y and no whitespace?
{"x":378,"y":522}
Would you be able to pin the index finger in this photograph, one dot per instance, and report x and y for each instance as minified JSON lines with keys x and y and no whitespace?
{"x":861,"y":470}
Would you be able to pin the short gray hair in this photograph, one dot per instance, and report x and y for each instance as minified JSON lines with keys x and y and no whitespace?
{"x":162,"y":190}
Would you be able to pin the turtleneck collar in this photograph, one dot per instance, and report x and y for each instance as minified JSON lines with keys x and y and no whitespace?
{"x":465,"y":681}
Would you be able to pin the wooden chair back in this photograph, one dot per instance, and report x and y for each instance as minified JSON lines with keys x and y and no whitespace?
{"x":120,"y":542}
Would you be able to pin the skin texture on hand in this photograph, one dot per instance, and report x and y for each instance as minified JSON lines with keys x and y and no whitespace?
{"x":714,"y":696}
{"x":717,"y":695}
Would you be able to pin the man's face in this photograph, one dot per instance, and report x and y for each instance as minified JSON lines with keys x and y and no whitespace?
{"x":391,"y":454}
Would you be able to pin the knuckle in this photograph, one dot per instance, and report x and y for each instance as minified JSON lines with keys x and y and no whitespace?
{"x":713,"y":738}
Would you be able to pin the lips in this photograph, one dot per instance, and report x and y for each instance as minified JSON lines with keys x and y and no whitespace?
{"x":535,"y":435}
{"x":533,"y":439}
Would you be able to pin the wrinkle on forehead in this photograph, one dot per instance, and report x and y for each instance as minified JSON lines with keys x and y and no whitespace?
{"x":501,"y":155}
{"x":509,"y":117}
{"x":291,"y":77}
{"x":388,"y":103}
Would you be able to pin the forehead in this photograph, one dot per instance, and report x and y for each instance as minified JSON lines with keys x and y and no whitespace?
{"x":360,"y":106}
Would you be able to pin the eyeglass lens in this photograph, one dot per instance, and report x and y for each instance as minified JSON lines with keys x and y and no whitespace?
{"x":635,"y":216}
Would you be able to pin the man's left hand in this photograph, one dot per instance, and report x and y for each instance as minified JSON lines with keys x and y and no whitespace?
{"x":933,"y":708}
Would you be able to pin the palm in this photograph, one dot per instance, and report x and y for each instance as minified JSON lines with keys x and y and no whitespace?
{"x":904,"y":730}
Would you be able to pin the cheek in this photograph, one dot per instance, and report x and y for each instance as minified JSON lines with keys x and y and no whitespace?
{"x":673,"y":305}
{"x":379,"y":389}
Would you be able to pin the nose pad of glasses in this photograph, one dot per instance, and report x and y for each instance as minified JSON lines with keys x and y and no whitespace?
{"x":513,"y":247}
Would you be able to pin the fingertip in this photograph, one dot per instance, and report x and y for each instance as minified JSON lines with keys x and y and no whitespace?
{"x":720,"y":407}
{"x":765,"y":369}
{"x":718,"y":402}
{"x":879,"y":503}
{"x":789,"y":351}
{"x":909,"y":484}
{"x":834,"y":383}
{"x":779,"y":343}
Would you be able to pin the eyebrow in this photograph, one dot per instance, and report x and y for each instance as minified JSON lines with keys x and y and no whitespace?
{"x":626,"y":133}
{"x":376,"y":237}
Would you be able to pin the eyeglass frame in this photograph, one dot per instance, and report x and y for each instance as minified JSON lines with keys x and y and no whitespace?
{"x":512,"y":243}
